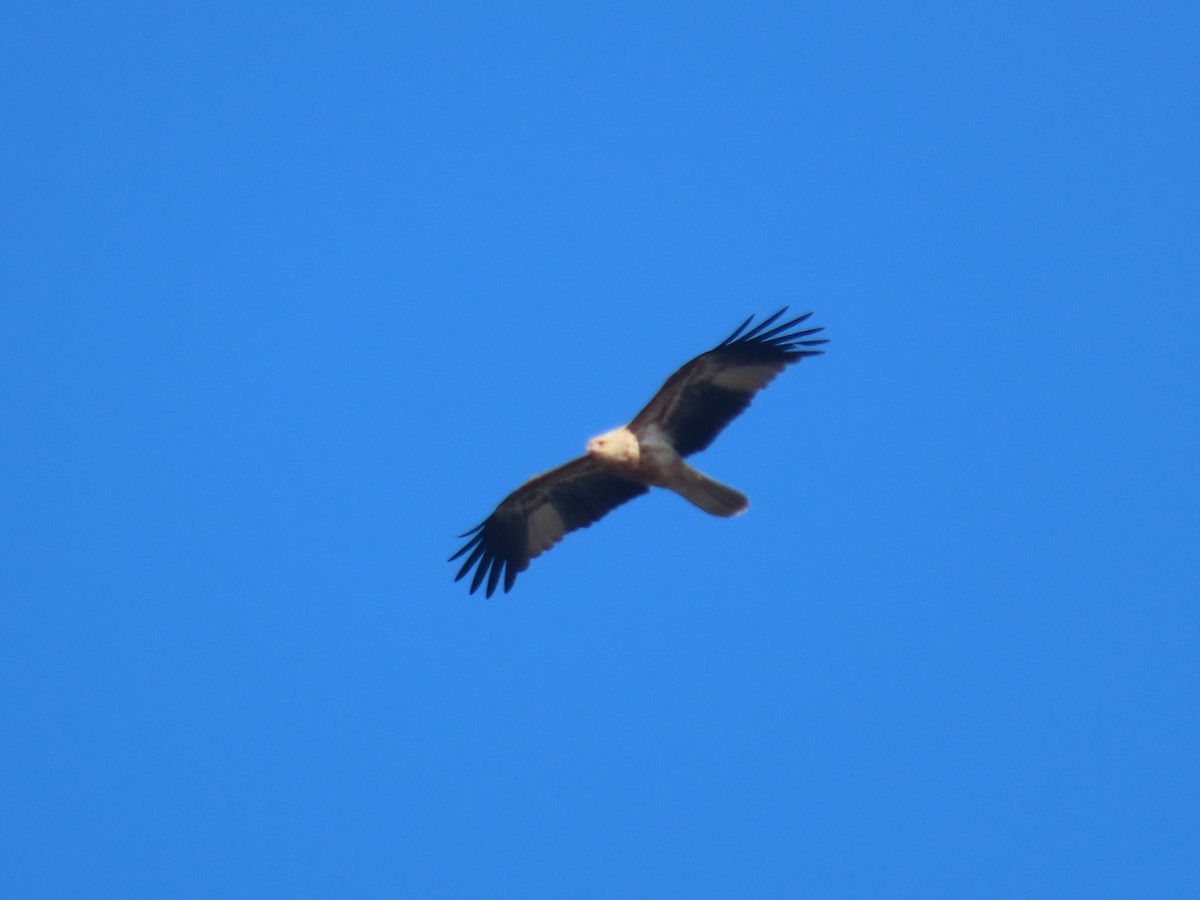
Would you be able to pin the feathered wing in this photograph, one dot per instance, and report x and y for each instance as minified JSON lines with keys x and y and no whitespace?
{"x":537,"y":515}
{"x":703,"y":396}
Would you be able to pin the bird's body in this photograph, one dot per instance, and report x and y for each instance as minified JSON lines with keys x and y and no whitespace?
{"x":651,"y":459}
{"x":683,"y":418}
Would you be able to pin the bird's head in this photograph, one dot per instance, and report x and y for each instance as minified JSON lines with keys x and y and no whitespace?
{"x":618,"y":445}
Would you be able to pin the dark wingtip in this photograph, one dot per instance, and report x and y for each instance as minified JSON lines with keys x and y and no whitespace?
{"x":495,"y":570}
{"x":756,"y":333}
{"x":480,"y":572}
{"x":473,"y":542}
{"x":737,"y":331}
{"x":781,"y":337}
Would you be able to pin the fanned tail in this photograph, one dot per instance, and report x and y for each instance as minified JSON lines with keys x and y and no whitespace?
{"x":709,"y":494}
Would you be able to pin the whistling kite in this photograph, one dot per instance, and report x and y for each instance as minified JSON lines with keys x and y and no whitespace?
{"x":684,"y":417}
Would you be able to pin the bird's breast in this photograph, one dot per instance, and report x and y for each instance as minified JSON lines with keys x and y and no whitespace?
{"x":658,"y":459}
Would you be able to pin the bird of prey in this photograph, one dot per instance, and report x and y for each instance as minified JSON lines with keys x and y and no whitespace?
{"x":685,"y":416}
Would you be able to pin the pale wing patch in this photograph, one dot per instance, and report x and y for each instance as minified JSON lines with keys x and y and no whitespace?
{"x":745,"y":378}
{"x":545,"y":529}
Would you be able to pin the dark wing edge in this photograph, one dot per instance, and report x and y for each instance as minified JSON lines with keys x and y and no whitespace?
{"x":577,"y":493}
{"x":707,"y":393}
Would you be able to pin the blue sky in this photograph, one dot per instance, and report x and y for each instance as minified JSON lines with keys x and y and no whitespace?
{"x":294,"y":294}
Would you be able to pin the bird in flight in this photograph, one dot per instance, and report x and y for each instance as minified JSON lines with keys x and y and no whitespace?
{"x":685,"y":416}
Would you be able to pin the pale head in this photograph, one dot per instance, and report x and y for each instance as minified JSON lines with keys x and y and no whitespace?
{"x":618,"y":446}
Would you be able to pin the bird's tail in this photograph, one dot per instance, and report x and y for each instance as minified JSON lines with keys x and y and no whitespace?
{"x":710,"y":495}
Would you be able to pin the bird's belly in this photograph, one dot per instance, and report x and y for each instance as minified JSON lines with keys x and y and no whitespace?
{"x":658,"y":462}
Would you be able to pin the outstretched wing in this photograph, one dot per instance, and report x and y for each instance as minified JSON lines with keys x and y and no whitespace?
{"x":535,"y":516}
{"x":712,"y":390}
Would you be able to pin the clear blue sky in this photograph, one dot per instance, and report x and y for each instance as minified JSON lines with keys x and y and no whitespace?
{"x":295,"y":293}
